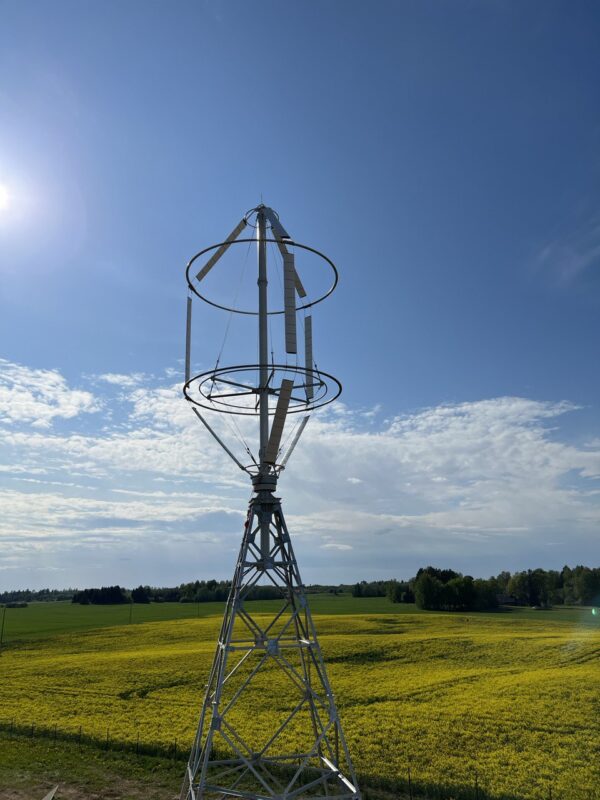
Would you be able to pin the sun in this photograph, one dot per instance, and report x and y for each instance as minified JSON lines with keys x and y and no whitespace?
{"x":4,"y":197}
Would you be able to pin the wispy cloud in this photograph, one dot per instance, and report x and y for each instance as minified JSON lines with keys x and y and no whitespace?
{"x":569,"y":257}
{"x":124,"y":381}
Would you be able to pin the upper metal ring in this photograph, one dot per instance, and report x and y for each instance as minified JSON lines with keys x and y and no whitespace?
{"x":288,"y":242}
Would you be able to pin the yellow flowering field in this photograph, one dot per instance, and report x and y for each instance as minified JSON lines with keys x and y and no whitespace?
{"x":513,"y":704}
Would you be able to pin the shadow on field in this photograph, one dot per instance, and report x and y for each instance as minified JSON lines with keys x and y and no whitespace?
{"x":33,"y":760}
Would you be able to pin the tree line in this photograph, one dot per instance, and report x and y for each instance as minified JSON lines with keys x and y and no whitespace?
{"x":430,"y":588}
{"x":37,"y":595}
{"x":447,"y":590}
{"x":194,"y":592}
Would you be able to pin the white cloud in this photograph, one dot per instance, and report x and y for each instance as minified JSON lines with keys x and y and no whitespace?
{"x":37,"y":396}
{"x":124,"y":381}
{"x":335,"y":546}
{"x":472,"y":482}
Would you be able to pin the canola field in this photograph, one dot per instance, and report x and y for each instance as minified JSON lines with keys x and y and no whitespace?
{"x":513,"y":703}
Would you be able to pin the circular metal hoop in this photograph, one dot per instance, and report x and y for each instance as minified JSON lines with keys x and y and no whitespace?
{"x":248,"y":214}
{"x":327,"y":389}
{"x":288,"y":242}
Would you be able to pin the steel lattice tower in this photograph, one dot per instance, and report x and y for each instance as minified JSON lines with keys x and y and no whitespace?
{"x":268,"y":675}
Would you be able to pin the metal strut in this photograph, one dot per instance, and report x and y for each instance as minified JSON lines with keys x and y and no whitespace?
{"x":219,"y":440}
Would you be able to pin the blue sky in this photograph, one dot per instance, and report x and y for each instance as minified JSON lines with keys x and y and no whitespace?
{"x":445,"y":155}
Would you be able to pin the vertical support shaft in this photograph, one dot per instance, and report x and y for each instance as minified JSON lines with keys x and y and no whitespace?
{"x":263,"y":347}
{"x":263,"y":337}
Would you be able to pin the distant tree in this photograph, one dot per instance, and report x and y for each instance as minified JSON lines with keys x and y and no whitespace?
{"x":539,"y":594}
{"x":205,"y":595}
{"x":568,"y":590}
{"x":448,"y":597}
{"x":502,"y":581}
{"x":442,"y":575}
{"x":106,"y":595}
{"x":518,"y":587}
{"x":586,"y":583}
{"x":264,"y":593}
{"x":486,"y":594}
{"x":428,"y":591}
{"x":140,"y":595}
{"x":554,"y":587}
{"x":396,"y":591}
{"x":357,"y":590}
{"x":465,"y":595}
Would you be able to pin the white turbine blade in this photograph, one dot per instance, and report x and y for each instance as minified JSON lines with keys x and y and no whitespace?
{"x":276,"y":226}
{"x":285,"y":252}
{"x":289,"y":295}
{"x":283,"y":402}
{"x":188,"y":339}
{"x":294,"y":441}
{"x":218,"y":253}
{"x":299,"y":287}
{"x":50,"y":794}
{"x":308,"y":357}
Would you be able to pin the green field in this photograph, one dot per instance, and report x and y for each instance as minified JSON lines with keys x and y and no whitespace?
{"x":47,"y":619}
{"x":510,"y":699}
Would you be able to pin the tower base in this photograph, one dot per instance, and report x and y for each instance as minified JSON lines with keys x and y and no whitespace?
{"x":269,"y":727}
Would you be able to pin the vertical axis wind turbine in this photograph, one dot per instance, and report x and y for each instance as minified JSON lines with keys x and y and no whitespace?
{"x":269,"y":727}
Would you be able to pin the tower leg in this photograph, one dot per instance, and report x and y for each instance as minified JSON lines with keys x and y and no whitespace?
{"x":269,"y":727}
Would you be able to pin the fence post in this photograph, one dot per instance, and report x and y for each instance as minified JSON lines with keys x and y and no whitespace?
{"x":476,"y":785}
{"x":55,"y":731}
{"x":137,"y":744}
{"x":410,"y":794}
{"x":32,"y":730}
{"x":107,"y":732}
{"x":80,"y":737}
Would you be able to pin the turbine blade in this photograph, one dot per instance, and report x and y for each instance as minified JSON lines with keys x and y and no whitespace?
{"x":50,"y":794}
{"x":285,"y":252}
{"x":283,"y":402}
{"x":276,"y":226}
{"x":218,"y":253}
{"x":289,"y":296}
{"x":188,"y":339}
{"x":308,"y":357}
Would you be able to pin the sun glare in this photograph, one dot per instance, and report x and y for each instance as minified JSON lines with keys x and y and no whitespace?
{"x":4,"y":197}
